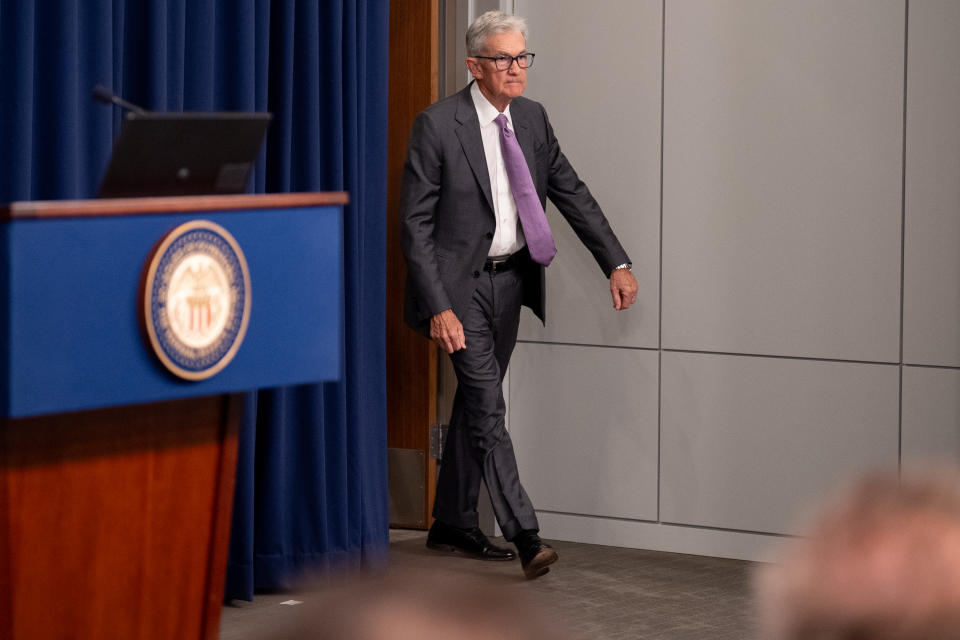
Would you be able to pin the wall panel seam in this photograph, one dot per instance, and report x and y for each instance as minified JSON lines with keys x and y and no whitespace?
{"x":663,"y":90}
{"x":721,"y":353}
{"x":587,"y":344}
{"x":903,"y":221}
{"x":919,"y":365}
{"x":683,"y":525}
{"x":774,"y":356}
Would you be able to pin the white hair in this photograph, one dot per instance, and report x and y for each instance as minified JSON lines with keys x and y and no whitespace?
{"x":490,"y":23}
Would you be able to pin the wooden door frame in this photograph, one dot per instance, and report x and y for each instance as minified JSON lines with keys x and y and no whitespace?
{"x":411,"y":360}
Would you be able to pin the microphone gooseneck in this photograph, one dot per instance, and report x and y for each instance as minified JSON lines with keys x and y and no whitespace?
{"x":104,"y":95}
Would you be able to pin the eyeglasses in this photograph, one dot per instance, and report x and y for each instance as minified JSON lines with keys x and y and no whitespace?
{"x":524,"y":61}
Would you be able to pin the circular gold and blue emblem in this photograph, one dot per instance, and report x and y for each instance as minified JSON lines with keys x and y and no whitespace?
{"x":196,"y":299}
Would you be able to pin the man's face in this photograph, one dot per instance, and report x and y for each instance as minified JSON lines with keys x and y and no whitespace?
{"x":500,"y":87}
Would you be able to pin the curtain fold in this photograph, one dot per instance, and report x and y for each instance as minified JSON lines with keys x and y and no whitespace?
{"x":311,"y":480}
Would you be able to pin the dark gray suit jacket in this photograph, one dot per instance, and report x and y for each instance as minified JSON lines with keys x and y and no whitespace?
{"x":446,"y":206}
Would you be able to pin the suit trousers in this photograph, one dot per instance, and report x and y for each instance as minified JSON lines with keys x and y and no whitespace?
{"x":478,"y":445}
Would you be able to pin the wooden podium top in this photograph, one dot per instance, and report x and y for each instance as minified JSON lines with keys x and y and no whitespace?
{"x":133,"y":206}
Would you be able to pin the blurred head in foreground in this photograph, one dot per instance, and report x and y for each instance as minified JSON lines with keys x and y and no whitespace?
{"x":881,"y":563}
{"x":422,"y":606}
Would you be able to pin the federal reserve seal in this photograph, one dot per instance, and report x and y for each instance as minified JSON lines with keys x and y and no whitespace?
{"x":196,"y":299}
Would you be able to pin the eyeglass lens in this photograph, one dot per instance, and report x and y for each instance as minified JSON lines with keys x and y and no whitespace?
{"x":523,"y":61}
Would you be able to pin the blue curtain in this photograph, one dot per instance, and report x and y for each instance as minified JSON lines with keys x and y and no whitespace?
{"x":311,"y":480}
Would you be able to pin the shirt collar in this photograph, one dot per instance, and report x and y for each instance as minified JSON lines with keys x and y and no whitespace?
{"x":486,"y":111}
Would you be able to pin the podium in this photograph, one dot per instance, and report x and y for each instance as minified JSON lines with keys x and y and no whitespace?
{"x":118,"y":444}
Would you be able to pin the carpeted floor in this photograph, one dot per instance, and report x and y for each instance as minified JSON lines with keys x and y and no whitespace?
{"x":592,"y":592}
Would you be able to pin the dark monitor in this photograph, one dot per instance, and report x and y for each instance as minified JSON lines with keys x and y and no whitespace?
{"x":176,"y":154}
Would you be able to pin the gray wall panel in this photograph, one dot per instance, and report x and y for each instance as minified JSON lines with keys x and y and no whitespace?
{"x":931,"y":319}
{"x":782,"y":177}
{"x":783,"y":167}
{"x":747,"y":441}
{"x":931,"y":415}
{"x":597,"y":72}
{"x":584,"y":424}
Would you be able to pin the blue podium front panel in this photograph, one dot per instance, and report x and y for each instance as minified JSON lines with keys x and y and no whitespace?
{"x":73,"y":337}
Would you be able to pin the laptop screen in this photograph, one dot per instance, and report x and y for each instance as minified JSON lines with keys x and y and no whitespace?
{"x":175,"y":154}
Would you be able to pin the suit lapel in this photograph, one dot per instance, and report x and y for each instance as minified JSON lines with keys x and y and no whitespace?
{"x":472,"y":143}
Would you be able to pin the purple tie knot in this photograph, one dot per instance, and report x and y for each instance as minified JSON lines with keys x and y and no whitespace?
{"x":501,"y":121}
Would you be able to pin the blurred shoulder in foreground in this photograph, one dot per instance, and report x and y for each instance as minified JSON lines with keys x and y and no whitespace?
{"x":422,"y":606}
{"x":882,"y":562}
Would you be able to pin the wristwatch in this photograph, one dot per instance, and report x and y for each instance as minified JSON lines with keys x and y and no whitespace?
{"x":625,"y":265}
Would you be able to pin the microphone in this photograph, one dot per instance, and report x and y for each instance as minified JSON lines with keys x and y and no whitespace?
{"x":106,"y":96}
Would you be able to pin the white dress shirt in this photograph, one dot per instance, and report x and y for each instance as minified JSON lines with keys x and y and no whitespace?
{"x":508,"y":237}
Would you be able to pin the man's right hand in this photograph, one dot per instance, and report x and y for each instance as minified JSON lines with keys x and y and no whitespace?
{"x":446,"y":331}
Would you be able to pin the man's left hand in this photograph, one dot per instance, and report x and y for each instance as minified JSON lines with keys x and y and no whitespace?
{"x":623,"y":287}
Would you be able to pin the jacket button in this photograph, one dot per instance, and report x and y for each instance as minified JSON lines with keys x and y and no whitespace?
{"x":489,"y":236}
{"x":476,"y":274}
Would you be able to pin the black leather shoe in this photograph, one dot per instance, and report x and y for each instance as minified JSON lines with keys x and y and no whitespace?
{"x":536,"y":556}
{"x":470,"y":542}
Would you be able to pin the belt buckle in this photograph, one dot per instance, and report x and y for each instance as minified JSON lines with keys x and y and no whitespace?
{"x":494,"y":264}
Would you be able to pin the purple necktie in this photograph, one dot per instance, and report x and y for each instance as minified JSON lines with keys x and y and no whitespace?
{"x":532,"y":218}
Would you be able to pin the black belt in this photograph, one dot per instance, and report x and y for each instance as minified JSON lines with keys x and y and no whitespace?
{"x":496,"y":265}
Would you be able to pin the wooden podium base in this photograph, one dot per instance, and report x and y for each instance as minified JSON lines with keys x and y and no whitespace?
{"x":115,"y":523}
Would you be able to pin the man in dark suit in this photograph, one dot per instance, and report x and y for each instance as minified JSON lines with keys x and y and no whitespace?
{"x":479,"y":168}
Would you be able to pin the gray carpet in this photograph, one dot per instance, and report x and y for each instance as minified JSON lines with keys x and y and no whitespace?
{"x":592,"y":592}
